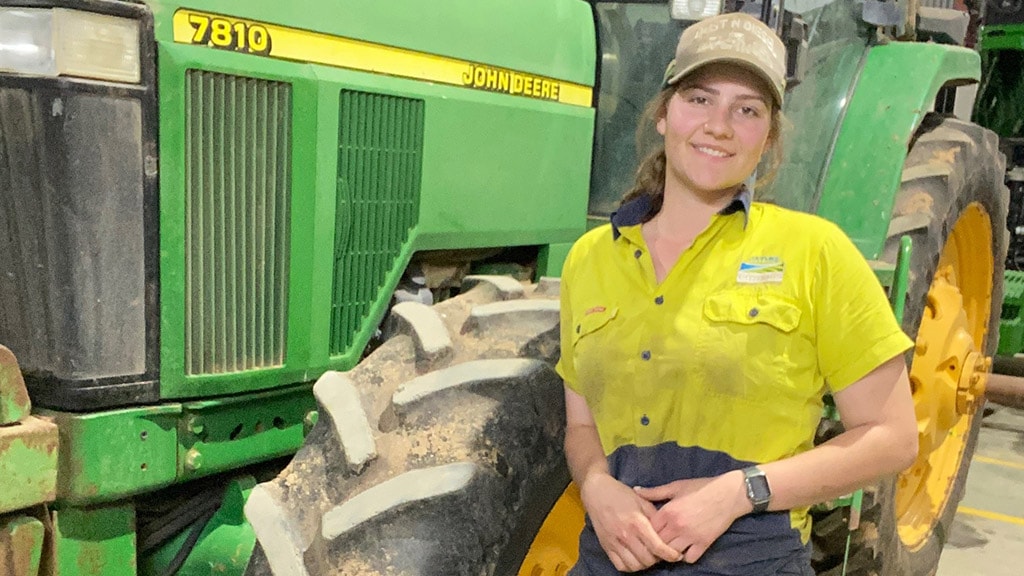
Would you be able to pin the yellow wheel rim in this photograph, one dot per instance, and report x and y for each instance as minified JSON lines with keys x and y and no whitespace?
{"x":948,"y":373}
{"x":555,"y":549}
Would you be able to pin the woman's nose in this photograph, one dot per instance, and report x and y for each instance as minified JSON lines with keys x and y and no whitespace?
{"x":718,"y":123}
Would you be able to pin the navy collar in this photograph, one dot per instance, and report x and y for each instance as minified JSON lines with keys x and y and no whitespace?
{"x":637,"y":210}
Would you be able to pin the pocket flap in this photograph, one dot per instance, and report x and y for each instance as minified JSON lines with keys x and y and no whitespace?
{"x":741,"y":308}
{"x":592,"y":320}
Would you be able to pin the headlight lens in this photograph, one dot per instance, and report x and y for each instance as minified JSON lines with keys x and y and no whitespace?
{"x":695,"y":9}
{"x":54,"y":42}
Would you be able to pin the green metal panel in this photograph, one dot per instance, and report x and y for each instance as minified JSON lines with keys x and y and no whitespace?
{"x":223,"y":434}
{"x":237,"y":163}
{"x":380,"y":154}
{"x":113,"y":454}
{"x":554,"y":38}
{"x":1005,"y":37}
{"x":896,"y":88}
{"x":21,"y":546}
{"x":1011,"y":320}
{"x":97,"y":541}
{"x":14,"y":401}
{"x":498,"y":170}
{"x":28,"y":463}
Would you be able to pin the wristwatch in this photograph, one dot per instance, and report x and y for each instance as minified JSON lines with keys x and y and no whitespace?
{"x":758,"y":491}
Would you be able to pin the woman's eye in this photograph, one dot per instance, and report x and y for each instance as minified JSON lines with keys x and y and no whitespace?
{"x":698,"y":99}
{"x":750,"y":112}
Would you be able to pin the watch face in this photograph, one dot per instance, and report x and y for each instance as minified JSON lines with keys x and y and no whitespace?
{"x":759,"y":491}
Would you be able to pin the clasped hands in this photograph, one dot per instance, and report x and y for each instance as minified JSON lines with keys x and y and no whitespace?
{"x":636,"y":535}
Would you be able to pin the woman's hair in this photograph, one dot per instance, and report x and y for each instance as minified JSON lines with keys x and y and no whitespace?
{"x":650,"y":175}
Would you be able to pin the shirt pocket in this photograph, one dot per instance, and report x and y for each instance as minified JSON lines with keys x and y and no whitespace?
{"x":775,"y":310}
{"x":591,"y":321}
{"x":746,"y":345}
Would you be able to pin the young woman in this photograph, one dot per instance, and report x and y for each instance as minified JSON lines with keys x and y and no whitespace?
{"x":700,"y":331}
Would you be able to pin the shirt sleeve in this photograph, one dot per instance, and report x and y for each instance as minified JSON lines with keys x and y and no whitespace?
{"x":856,"y":328}
{"x":565,"y":367}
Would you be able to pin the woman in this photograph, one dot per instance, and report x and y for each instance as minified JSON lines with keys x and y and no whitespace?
{"x":700,"y":331}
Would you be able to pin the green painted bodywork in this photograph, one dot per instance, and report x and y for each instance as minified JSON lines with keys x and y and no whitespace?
{"x":223,"y":434}
{"x":498,"y":170}
{"x":109,"y":455}
{"x":14,"y":400}
{"x":95,"y":541}
{"x":117,"y":453}
{"x":224,"y":543}
{"x":21,"y":545}
{"x":895,"y":90}
{"x":28,"y":463}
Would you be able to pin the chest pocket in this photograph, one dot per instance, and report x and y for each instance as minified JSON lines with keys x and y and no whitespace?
{"x":747,"y":345}
{"x":591,"y":321}
{"x":770,"y":309}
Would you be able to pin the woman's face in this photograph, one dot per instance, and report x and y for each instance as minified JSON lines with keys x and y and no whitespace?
{"x":716,"y":128}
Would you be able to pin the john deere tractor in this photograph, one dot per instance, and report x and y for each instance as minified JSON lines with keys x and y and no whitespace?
{"x":281,"y":277}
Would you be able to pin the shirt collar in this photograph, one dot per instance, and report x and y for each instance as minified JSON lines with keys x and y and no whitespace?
{"x":638,"y":209}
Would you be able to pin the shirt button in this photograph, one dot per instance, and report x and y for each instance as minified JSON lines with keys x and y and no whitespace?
{"x":645,"y":420}
{"x":659,"y":300}
{"x":578,"y":328}
{"x":646,"y":354}
{"x":753,"y":312}
{"x":638,"y":253}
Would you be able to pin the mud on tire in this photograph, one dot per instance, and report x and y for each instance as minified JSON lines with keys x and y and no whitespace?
{"x":431,"y":456}
{"x":951,"y":164}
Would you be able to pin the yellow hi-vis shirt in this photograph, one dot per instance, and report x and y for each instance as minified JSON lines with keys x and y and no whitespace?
{"x":724,"y":363}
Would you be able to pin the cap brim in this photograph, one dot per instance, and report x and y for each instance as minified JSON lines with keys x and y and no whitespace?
{"x":772,"y":87}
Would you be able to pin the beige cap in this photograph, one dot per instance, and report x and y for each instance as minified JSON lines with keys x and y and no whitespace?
{"x":736,"y":38}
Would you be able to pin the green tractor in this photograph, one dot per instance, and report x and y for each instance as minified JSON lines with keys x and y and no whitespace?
{"x":280,"y":276}
{"x":998,"y":107}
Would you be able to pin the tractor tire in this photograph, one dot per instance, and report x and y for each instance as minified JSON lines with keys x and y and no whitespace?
{"x":439,"y":454}
{"x":953,"y":173}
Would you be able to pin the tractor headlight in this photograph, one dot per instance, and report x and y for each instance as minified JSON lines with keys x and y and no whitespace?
{"x":58,"y":41}
{"x":695,"y":9}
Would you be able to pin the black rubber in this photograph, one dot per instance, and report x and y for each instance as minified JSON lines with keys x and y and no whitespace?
{"x":453,"y":451}
{"x":951,"y":164}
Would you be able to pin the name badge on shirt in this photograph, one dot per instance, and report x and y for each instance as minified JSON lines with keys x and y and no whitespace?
{"x":761,"y":270}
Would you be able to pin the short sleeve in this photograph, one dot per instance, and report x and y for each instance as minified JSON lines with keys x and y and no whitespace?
{"x":855,"y":326}
{"x":565,"y":367}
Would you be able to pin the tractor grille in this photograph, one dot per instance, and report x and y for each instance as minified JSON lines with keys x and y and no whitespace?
{"x":237,"y":170}
{"x":379,"y":161}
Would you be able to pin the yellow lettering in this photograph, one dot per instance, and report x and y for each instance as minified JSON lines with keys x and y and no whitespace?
{"x":555,"y":87}
{"x":545,"y":89}
{"x":492,"y":79}
{"x":479,"y":77}
{"x":517,"y":84}
{"x":503,"y":81}
{"x":467,"y":76}
{"x":528,"y":87}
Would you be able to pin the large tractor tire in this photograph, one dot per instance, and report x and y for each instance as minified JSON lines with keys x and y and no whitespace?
{"x":953,"y":204}
{"x":439,"y":454}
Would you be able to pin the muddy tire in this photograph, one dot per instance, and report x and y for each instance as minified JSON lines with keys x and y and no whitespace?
{"x":439,"y":454}
{"x":952,"y":169}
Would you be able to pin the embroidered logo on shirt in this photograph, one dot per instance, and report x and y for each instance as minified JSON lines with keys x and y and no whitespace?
{"x":761,"y":270}
{"x":594,"y":310}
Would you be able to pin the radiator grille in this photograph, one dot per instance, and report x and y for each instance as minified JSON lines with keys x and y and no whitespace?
{"x":379,"y":163}
{"x":237,"y":169}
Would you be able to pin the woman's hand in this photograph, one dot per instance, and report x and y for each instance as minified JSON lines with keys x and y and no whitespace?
{"x":697,"y":511}
{"x":621,"y":520}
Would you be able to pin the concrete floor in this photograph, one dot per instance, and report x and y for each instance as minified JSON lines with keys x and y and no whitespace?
{"x":987,"y":538}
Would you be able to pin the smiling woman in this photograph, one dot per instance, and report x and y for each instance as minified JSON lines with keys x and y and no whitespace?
{"x":691,"y":410}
